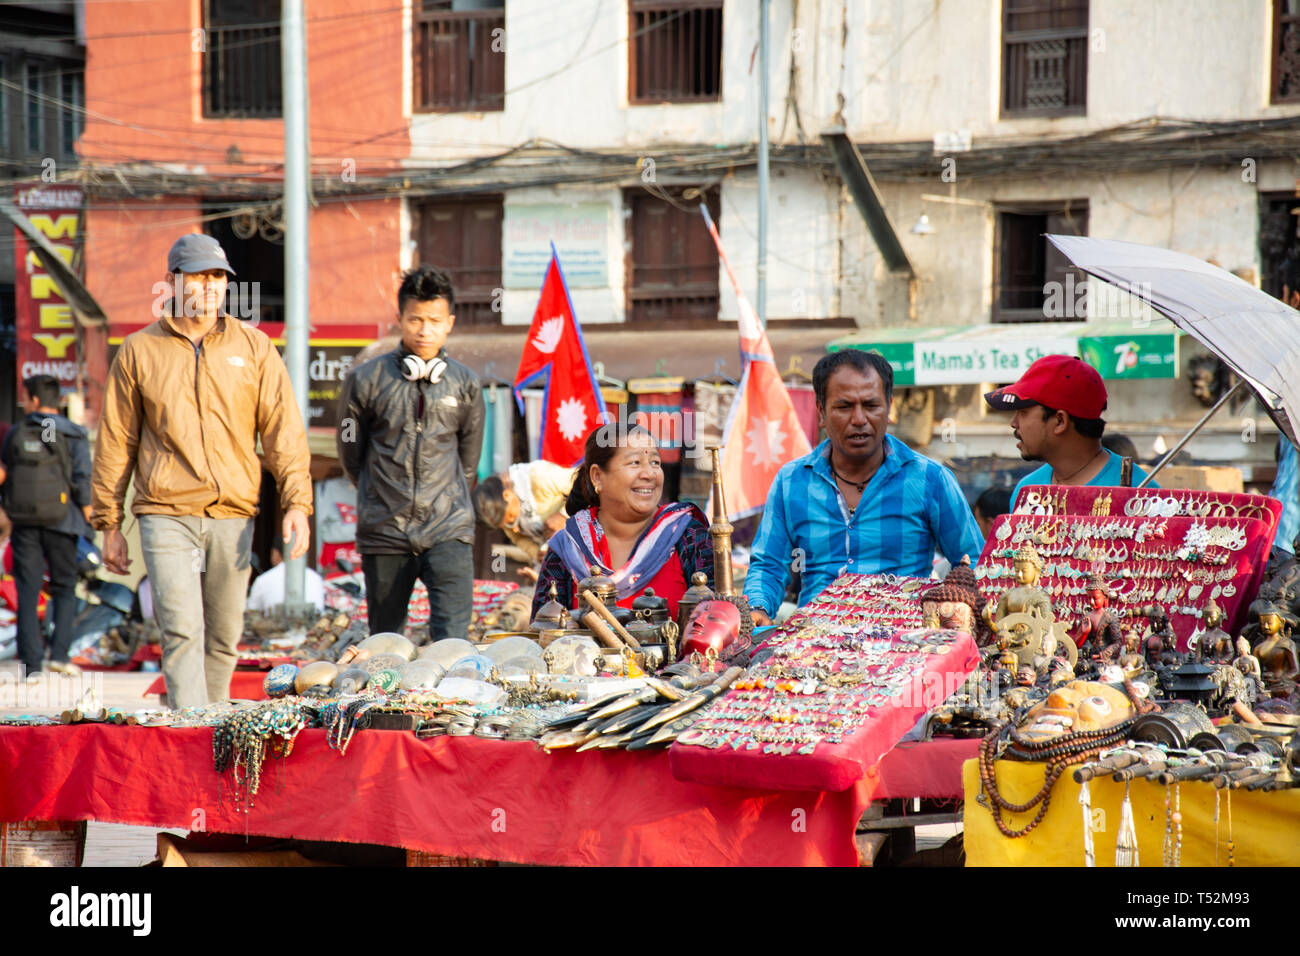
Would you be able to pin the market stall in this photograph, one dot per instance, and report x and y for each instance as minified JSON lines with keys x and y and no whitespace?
{"x":1188,"y":824}
{"x":461,"y":797}
{"x":514,"y":800}
{"x":1188,"y":719}
{"x":457,"y":797}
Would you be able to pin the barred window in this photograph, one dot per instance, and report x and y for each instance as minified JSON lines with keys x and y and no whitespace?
{"x":241,"y":58}
{"x":1286,"y":51}
{"x":674,"y":51}
{"x":1044,"y":57}
{"x":460,"y":56}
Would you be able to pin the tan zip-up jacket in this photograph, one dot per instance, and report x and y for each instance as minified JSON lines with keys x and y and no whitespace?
{"x":186,"y":420}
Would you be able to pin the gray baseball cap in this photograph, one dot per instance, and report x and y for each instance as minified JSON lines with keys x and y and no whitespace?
{"x":196,"y":252}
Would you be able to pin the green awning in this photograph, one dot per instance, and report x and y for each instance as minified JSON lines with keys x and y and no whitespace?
{"x":1001,"y":353}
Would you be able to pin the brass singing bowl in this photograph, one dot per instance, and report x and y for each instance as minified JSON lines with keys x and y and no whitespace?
{"x":1270,"y":728}
{"x":317,"y":672}
{"x":544,"y":638}
{"x":491,"y":637}
{"x":389,"y":642}
{"x":1286,"y":720}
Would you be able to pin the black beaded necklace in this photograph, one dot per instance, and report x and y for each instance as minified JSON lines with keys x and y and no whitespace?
{"x":861,"y":486}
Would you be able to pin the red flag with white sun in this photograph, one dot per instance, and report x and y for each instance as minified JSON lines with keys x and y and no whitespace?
{"x":556,"y":353}
{"x":763,"y":431}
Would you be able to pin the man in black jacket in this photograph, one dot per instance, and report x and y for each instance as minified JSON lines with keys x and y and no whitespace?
{"x":46,"y":479}
{"x":409,"y":434}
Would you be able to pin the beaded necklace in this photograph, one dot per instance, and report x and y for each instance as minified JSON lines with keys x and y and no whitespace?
{"x":240,"y":742}
{"x":1060,"y":753}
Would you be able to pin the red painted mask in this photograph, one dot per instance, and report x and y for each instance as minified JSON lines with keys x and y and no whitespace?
{"x":713,"y":624}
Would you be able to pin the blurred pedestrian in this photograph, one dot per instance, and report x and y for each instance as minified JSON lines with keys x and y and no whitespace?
{"x":993,"y":501}
{"x":46,"y":477}
{"x":187,"y":399}
{"x":267,"y":592}
{"x":1120,"y":444}
{"x":527,"y":503}
{"x":409,"y":435}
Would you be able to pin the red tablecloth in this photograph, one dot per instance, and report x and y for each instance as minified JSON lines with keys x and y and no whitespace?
{"x":244,"y":685}
{"x":930,"y":769}
{"x":147,"y":652}
{"x":454,"y":796}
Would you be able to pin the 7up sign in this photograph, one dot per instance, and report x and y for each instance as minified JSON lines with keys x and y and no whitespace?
{"x":1126,"y":357}
{"x":1137,"y":356}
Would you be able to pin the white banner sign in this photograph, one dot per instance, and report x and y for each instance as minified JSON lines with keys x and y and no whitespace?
{"x":580,"y":232}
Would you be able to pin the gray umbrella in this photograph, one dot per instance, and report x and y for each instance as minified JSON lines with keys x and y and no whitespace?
{"x":1256,"y":335}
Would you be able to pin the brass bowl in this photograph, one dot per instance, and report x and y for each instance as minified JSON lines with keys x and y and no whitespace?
{"x":545,"y":637}
{"x":1285,"y":720}
{"x":491,"y":637}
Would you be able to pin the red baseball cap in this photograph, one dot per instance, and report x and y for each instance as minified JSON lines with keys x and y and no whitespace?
{"x":1057,"y":381}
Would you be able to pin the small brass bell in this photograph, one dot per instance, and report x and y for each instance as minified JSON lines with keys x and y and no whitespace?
{"x":552,"y":615}
{"x":697,"y":592}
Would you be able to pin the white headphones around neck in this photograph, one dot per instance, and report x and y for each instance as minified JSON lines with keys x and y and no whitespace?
{"x":415,"y":368}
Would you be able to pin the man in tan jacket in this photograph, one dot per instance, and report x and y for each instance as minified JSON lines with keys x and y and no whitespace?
{"x":186,"y":400}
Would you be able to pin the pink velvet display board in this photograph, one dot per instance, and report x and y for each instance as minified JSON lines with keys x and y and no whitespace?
{"x":1178,"y":563}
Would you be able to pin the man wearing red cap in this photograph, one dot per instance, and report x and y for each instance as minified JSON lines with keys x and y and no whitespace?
{"x":1058,"y":404}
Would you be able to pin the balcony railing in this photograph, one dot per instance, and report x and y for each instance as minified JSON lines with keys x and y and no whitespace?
{"x":241,"y":71}
{"x":460,"y":60}
{"x":1046,"y":73}
{"x":676,"y":51}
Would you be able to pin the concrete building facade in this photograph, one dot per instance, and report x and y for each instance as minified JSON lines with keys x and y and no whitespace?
{"x":465,"y":130}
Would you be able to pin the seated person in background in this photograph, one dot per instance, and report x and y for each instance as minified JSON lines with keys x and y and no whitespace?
{"x":268,"y":588}
{"x":620,"y":524}
{"x":991,"y":503}
{"x":1058,"y":404}
{"x":861,"y":501}
{"x":1121,"y":445}
{"x":527,"y":503}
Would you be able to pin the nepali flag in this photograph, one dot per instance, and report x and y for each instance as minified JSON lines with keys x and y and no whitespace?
{"x":573,"y":405}
{"x":763,"y":430}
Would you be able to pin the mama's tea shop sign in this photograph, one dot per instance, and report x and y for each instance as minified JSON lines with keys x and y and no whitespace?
{"x":986,"y":354}
{"x":45,"y":328}
{"x":956,"y":362}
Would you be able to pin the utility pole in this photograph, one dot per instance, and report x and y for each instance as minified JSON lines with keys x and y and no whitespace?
{"x":763,"y":39}
{"x":297,"y":167}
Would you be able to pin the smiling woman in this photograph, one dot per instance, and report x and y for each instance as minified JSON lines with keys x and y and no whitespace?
{"x":620,"y":525}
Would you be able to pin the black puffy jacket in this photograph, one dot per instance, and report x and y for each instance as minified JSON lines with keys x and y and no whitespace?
{"x":412,"y":450}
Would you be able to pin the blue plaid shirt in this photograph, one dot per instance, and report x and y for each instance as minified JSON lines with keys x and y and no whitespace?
{"x":911,"y":507}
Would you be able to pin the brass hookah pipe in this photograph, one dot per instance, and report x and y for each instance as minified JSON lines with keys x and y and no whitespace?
{"x":720,"y":530}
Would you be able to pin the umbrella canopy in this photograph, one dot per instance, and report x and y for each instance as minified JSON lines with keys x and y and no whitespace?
{"x":1256,"y":335}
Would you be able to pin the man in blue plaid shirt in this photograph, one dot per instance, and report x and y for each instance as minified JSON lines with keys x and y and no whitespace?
{"x":862,"y":501}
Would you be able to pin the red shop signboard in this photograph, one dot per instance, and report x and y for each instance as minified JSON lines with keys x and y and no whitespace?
{"x":46,"y":330}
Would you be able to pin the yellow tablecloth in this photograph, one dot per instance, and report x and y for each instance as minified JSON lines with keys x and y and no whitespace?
{"x":1265,"y":826}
